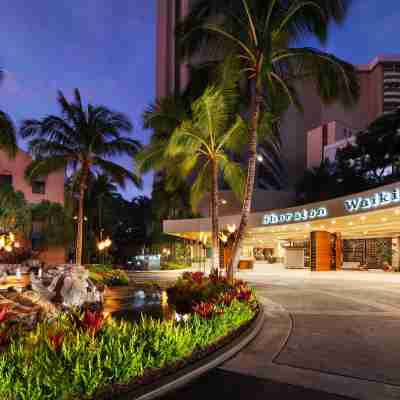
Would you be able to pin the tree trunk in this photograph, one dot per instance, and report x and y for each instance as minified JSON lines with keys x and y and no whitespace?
{"x":81,"y":218}
{"x":214,"y":215}
{"x":256,"y":100}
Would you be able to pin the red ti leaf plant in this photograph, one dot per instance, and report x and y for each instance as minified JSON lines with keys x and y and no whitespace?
{"x":206,"y":310}
{"x":93,"y":321}
{"x":4,"y":312}
{"x":197,"y":277}
{"x":5,"y":331}
{"x":227,"y":298}
{"x":56,"y":340}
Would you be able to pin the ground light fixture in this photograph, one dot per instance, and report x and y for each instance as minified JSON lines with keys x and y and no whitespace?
{"x":231,"y":228}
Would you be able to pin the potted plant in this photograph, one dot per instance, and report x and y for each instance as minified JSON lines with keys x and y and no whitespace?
{"x":385,"y":253}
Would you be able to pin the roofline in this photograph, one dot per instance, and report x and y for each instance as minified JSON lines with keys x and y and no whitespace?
{"x":378,"y":60}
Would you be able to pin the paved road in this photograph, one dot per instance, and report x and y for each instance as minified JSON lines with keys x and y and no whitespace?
{"x":325,"y":332}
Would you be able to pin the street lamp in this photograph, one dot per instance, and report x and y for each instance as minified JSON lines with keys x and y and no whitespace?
{"x":104,"y":245}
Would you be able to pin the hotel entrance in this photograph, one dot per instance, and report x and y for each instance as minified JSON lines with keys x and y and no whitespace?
{"x":359,"y":232}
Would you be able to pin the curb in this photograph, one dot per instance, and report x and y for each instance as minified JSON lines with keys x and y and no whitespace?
{"x":199,"y":368}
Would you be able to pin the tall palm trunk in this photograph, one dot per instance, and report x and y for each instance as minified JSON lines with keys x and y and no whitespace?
{"x":81,"y":217}
{"x":214,"y":215}
{"x":256,"y":101}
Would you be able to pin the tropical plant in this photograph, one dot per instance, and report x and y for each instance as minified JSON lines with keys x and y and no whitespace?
{"x":81,"y":140}
{"x":205,"y":144}
{"x":376,"y":152}
{"x":170,"y":191}
{"x":8,"y":138}
{"x":53,"y":224}
{"x":261,"y":34}
{"x":15,"y":214}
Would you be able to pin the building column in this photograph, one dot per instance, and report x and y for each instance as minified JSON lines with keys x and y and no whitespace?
{"x":321,"y":251}
{"x":395,"y":252}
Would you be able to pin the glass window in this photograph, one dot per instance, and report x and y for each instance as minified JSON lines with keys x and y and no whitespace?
{"x":5,"y":179}
{"x":39,"y":187}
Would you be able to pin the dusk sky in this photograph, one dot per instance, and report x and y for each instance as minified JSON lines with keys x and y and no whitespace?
{"x":107,"y":49}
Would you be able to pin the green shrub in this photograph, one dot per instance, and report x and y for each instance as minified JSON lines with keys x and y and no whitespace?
{"x":171,"y":265}
{"x":82,"y":363}
{"x":107,"y":275}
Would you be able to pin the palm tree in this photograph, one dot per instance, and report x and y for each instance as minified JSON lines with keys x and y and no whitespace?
{"x":205,"y":143}
{"x":261,"y":34}
{"x":81,"y":140}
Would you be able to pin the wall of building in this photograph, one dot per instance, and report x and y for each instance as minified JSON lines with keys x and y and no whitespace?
{"x":170,"y":74}
{"x":54,"y":192}
{"x":54,"y":183}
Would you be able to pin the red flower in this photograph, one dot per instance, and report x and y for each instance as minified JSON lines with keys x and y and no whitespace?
{"x":56,"y":340}
{"x":204,"y":310}
{"x":243,"y":293}
{"x":4,"y":313}
{"x":197,"y":277}
{"x":93,"y":321}
{"x":227,"y":298}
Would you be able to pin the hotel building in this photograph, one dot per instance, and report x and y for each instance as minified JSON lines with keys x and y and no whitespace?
{"x":51,"y":188}
{"x":277,"y":230}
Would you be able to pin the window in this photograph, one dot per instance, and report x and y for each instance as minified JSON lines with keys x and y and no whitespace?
{"x":37,"y":241}
{"x":39,"y":187}
{"x":5,"y":180}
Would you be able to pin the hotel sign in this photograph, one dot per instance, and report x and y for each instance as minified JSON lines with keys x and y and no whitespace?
{"x":379,"y":199}
{"x":295,"y":216}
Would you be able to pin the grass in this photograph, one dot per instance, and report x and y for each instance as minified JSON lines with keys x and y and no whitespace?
{"x":40,"y":366}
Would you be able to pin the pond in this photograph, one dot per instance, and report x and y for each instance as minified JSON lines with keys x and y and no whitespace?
{"x":126,"y":302}
{"x":133,"y":302}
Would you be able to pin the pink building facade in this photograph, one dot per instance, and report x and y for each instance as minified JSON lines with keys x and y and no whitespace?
{"x":380,"y":94}
{"x":171,"y":75}
{"x":51,"y":188}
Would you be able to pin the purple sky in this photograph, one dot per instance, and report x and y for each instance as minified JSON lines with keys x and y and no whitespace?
{"x":107,"y":49}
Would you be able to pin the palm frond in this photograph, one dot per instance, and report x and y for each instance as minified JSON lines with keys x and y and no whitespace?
{"x":186,"y":138}
{"x":152,"y":157}
{"x":8,"y":140}
{"x":117,"y":173}
{"x":234,"y":176}
{"x":200,"y":186}
{"x":120,"y":146}
{"x":335,"y":78}
{"x":40,"y":168}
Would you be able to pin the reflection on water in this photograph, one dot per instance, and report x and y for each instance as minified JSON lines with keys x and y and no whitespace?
{"x":12,"y":282}
{"x":132,"y":303}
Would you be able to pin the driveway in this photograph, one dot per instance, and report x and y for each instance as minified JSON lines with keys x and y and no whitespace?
{"x":337,"y":332}
{"x":326,"y":336}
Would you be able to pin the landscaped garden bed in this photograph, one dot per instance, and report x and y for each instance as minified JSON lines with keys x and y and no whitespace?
{"x":103,"y":274}
{"x":87,"y":354}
